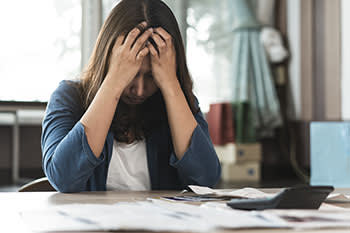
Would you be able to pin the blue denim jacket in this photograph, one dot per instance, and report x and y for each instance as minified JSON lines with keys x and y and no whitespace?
{"x":71,"y":166}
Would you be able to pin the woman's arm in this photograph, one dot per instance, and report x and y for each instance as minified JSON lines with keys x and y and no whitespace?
{"x":181,"y":120}
{"x":125,"y":62}
{"x":68,"y":161}
{"x":195,"y":158}
{"x":98,"y":117}
{"x":71,"y":151}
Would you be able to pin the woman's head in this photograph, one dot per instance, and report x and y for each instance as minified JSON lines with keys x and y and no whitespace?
{"x":142,"y":86}
{"x":126,"y":15}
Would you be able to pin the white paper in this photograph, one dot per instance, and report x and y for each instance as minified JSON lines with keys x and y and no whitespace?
{"x":338,"y":197}
{"x":325,"y":206}
{"x":310,"y":219}
{"x":53,"y":220}
{"x":240,"y":193}
{"x":160,"y":215}
{"x":219,"y":217}
{"x":155,"y":215}
{"x":332,"y":215}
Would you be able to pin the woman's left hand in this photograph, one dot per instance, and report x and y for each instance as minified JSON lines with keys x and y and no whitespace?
{"x":164,"y":62}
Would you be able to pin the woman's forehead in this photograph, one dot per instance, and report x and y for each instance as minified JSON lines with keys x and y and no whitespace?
{"x":146,"y":64}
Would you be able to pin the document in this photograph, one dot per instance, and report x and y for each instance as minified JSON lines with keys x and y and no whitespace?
{"x":325,"y":206}
{"x":160,"y":215}
{"x":255,"y":193}
{"x":198,"y":198}
{"x":310,"y":219}
{"x":328,"y":216}
{"x":239,"y":193}
{"x":338,"y":198}
{"x":152,"y":215}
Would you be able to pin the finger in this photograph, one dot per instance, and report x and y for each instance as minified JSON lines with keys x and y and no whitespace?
{"x":159,"y":41}
{"x":152,"y":50}
{"x":164,"y":34}
{"x":132,"y":35}
{"x":142,"y":53}
{"x":140,"y":42}
{"x":119,"y":40}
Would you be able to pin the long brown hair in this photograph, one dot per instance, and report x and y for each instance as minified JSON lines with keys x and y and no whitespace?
{"x":124,"y":17}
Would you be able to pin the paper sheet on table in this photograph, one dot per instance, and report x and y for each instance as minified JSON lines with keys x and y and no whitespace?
{"x":338,"y":197}
{"x":159,"y":215}
{"x":155,"y":215}
{"x":240,"y":193}
{"x":328,"y":216}
{"x":255,"y":193}
{"x":54,"y":220}
{"x":325,"y":206}
{"x":198,"y":198}
{"x":310,"y":219}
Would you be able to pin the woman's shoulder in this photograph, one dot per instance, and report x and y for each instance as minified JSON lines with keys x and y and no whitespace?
{"x":67,"y":92}
{"x":68,"y":88}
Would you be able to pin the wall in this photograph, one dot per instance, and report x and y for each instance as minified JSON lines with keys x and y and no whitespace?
{"x":314,"y":38}
{"x":345,"y":43}
{"x":314,"y":32}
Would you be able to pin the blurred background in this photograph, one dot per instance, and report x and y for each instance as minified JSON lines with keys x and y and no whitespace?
{"x":262,"y":71}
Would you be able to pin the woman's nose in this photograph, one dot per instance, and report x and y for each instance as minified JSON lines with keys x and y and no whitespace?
{"x":138,"y":86}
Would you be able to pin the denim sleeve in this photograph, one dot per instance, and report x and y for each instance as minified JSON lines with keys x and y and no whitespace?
{"x":200,"y":164}
{"x":68,"y":160}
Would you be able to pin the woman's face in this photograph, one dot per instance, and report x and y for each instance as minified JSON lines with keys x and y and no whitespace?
{"x":142,"y":86}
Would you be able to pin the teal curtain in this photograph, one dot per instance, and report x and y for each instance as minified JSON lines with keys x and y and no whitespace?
{"x":252,"y":80}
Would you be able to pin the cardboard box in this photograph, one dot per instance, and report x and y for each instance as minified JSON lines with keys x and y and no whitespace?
{"x":238,"y":153}
{"x":245,"y":172}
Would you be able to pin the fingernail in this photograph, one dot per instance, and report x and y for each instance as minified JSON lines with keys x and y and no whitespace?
{"x":150,"y":29}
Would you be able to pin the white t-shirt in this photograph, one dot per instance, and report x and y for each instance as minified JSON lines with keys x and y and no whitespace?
{"x":128,"y":169}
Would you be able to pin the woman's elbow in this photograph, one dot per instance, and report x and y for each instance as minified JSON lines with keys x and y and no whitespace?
{"x":59,"y":180}
{"x":214,"y":176}
{"x":63,"y":186}
{"x":209,"y":178}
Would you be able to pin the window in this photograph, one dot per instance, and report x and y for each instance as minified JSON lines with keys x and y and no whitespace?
{"x":40,"y":45}
{"x":209,"y":50}
{"x":108,"y":5}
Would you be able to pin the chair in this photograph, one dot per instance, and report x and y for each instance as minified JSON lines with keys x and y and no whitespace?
{"x":38,"y":185}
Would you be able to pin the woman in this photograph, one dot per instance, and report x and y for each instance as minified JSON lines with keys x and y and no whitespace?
{"x":131,"y":122}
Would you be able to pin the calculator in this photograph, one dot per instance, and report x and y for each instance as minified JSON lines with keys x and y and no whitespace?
{"x":302,"y":197}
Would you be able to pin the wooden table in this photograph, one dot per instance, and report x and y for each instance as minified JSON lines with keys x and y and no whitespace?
{"x":11,"y":203}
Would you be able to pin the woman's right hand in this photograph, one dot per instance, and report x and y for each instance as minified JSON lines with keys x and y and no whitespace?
{"x":127,"y":57}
